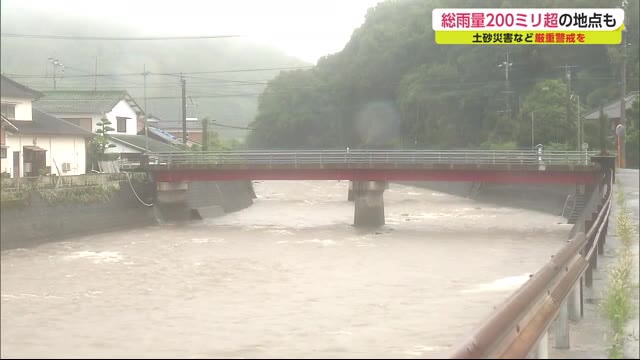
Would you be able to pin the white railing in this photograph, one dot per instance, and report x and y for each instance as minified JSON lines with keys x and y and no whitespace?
{"x":371,"y":157}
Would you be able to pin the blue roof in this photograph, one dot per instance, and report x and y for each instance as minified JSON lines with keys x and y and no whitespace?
{"x":164,"y":135}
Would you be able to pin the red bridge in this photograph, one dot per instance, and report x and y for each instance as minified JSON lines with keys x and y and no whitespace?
{"x":378,"y":165}
{"x":371,"y":170}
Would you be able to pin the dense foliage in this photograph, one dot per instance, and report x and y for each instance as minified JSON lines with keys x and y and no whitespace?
{"x":392,"y":86}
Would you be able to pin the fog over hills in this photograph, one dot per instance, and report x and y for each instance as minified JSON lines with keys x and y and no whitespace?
{"x":228,"y":97}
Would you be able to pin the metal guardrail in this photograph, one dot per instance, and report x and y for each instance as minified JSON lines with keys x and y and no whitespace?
{"x":518,"y":328}
{"x":358,"y":157}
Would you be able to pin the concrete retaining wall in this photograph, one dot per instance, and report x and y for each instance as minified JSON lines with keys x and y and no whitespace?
{"x":40,"y":222}
{"x":540,"y":197}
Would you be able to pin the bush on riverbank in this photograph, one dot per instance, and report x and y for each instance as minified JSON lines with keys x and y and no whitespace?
{"x":617,"y":304}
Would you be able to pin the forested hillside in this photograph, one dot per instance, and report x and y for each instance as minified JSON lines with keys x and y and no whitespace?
{"x":228,"y":97}
{"x":392,"y":86}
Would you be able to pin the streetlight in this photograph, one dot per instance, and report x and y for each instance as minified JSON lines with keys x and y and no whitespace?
{"x":507,"y":64}
{"x":532,"y":119}
{"x":580,"y":132}
{"x":56,"y":64}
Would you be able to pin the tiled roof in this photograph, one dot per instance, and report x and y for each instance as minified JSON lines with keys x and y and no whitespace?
{"x":45,"y":124}
{"x":138,"y":142}
{"x":11,"y":88}
{"x":612,"y":110}
{"x":83,"y":102}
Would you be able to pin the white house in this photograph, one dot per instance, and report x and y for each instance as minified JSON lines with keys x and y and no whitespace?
{"x":87,"y":108}
{"x":35,"y":142}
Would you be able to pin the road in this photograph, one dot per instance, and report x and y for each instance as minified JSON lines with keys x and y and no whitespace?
{"x":589,"y":336}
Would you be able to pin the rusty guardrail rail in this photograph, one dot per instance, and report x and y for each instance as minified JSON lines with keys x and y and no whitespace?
{"x":519,"y":327}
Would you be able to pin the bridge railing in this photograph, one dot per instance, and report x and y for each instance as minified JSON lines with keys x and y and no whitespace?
{"x":360,"y":157}
{"x":518,"y":328}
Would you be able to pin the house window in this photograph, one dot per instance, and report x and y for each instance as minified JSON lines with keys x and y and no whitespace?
{"x":9,"y":111}
{"x":122,"y":124}
{"x":3,"y":152}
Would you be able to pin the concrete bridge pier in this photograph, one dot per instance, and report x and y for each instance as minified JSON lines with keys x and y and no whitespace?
{"x":350,"y":194}
{"x":369,"y":203}
{"x":171,"y":201}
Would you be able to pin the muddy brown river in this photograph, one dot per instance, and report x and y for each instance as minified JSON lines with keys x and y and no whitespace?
{"x":286,"y":277}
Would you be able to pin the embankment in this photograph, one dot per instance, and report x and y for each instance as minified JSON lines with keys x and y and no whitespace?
{"x":38,"y":212}
{"x":550,"y":199}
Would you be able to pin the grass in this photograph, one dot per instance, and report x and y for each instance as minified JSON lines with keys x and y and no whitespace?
{"x":617,"y":304}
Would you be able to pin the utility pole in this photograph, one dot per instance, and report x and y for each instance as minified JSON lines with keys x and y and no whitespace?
{"x":602,"y":133}
{"x":95,"y":78}
{"x":205,"y":134}
{"x":146,"y":124}
{"x":567,"y":71}
{"x":580,"y":135}
{"x":532,"y":119}
{"x":568,"y":75}
{"x":623,"y":90}
{"x":184,"y":109}
{"x":56,"y":63}
{"x":144,"y":77}
{"x":507,"y":92}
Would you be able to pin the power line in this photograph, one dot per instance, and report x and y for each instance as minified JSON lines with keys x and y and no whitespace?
{"x":231,"y":126}
{"x":245,"y":70}
{"x":443,"y":85}
{"x":176,"y":74}
{"x":73,"y":37}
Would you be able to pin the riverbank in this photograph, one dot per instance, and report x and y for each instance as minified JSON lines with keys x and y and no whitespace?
{"x":591,"y":336}
{"x":550,"y":199}
{"x":40,"y":211}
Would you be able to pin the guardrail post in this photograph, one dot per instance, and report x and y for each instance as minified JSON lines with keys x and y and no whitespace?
{"x":574,"y":302}
{"x":593,"y":262}
{"x":562,"y":327}
{"x":603,"y":235}
{"x":588,"y":274}
{"x":541,"y":351}
{"x":582,"y":296}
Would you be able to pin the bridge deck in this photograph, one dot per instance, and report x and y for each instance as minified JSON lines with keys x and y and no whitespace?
{"x":480,"y":166}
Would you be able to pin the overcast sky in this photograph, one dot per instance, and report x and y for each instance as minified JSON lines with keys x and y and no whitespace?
{"x":307,"y":29}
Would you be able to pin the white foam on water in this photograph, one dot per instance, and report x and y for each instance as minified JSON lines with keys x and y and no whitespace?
{"x":366,"y":245}
{"x":96,"y":257}
{"x":280,"y":231}
{"x":7,"y":297}
{"x":421,"y":349}
{"x":505,"y":284}
{"x":325,"y":242}
{"x":339,"y":333}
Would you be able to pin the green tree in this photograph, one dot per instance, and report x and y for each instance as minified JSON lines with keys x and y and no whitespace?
{"x":547,"y":101}
{"x":445,"y":96}
{"x":101,"y":142}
